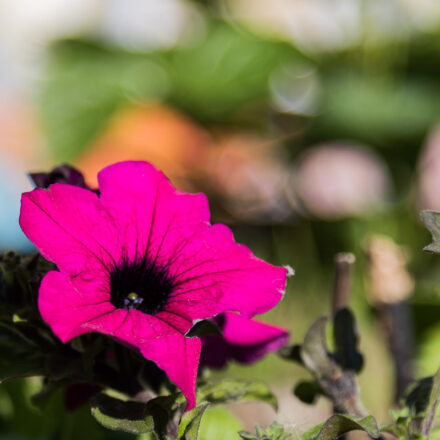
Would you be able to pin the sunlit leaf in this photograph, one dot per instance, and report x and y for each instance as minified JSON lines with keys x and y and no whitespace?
{"x":274,"y":432}
{"x":339,"y":424}
{"x":219,"y":424}
{"x":190,"y":423}
{"x":235,"y":390}
{"x":119,"y":415}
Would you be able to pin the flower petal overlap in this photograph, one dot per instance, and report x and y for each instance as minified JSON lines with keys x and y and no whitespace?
{"x":243,"y":340}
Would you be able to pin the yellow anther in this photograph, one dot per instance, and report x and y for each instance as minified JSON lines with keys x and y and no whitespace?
{"x":132,"y":296}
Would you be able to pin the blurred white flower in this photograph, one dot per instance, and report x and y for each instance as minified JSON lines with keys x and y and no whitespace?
{"x":148,"y":24}
{"x":26,"y":27}
{"x":331,"y":25}
{"x":295,"y":89}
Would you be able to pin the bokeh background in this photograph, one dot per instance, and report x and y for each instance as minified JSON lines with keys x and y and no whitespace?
{"x":312,"y":125}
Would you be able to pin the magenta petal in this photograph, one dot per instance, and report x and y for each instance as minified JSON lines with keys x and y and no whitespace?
{"x":153,"y":217}
{"x":214,"y":274}
{"x":244,"y":340}
{"x":66,"y":309}
{"x":163,"y":344}
{"x":179,"y":357}
{"x":69,"y":227}
{"x":239,"y":331}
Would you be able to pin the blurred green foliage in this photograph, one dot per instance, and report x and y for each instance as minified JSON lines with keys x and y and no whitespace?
{"x":212,"y":79}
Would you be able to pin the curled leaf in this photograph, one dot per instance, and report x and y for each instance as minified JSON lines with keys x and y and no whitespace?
{"x":190,"y":422}
{"x":340,"y":424}
{"x":235,"y":390}
{"x":120,"y":415}
{"x":314,"y":351}
{"x":432,"y":222}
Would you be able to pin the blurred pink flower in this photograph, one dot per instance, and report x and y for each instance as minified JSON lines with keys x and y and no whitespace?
{"x":428,"y":185}
{"x":140,"y":262}
{"x":339,"y":179}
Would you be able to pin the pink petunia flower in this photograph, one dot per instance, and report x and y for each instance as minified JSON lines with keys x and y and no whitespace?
{"x":244,"y":341}
{"x":140,"y":262}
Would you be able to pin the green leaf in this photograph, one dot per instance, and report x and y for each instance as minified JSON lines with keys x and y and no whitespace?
{"x":219,"y":424}
{"x":19,"y":356}
{"x":340,"y":424}
{"x":417,"y":399}
{"x":308,"y":391}
{"x":156,"y":416}
{"x":346,"y":341}
{"x":314,"y":352}
{"x":432,"y":222}
{"x":85,"y":84}
{"x":236,"y":390}
{"x":239,"y":64}
{"x":190,"y":423}
{"x":372,"y":109}
{"x":119,"y":415}
{"x":433,"y":402}
{"x":273,"y":432}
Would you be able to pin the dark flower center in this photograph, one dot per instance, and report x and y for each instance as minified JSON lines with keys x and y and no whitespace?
{"x":140,"y":285}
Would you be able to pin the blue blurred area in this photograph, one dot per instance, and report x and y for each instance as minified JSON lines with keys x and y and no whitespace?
{"x":12,"y":184}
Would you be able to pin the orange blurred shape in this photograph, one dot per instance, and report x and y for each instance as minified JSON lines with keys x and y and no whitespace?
{"x":160,"y":135}
{"x":390,"y":281}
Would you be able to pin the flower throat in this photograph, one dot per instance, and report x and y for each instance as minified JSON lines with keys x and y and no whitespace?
{"x":140,"y":285}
